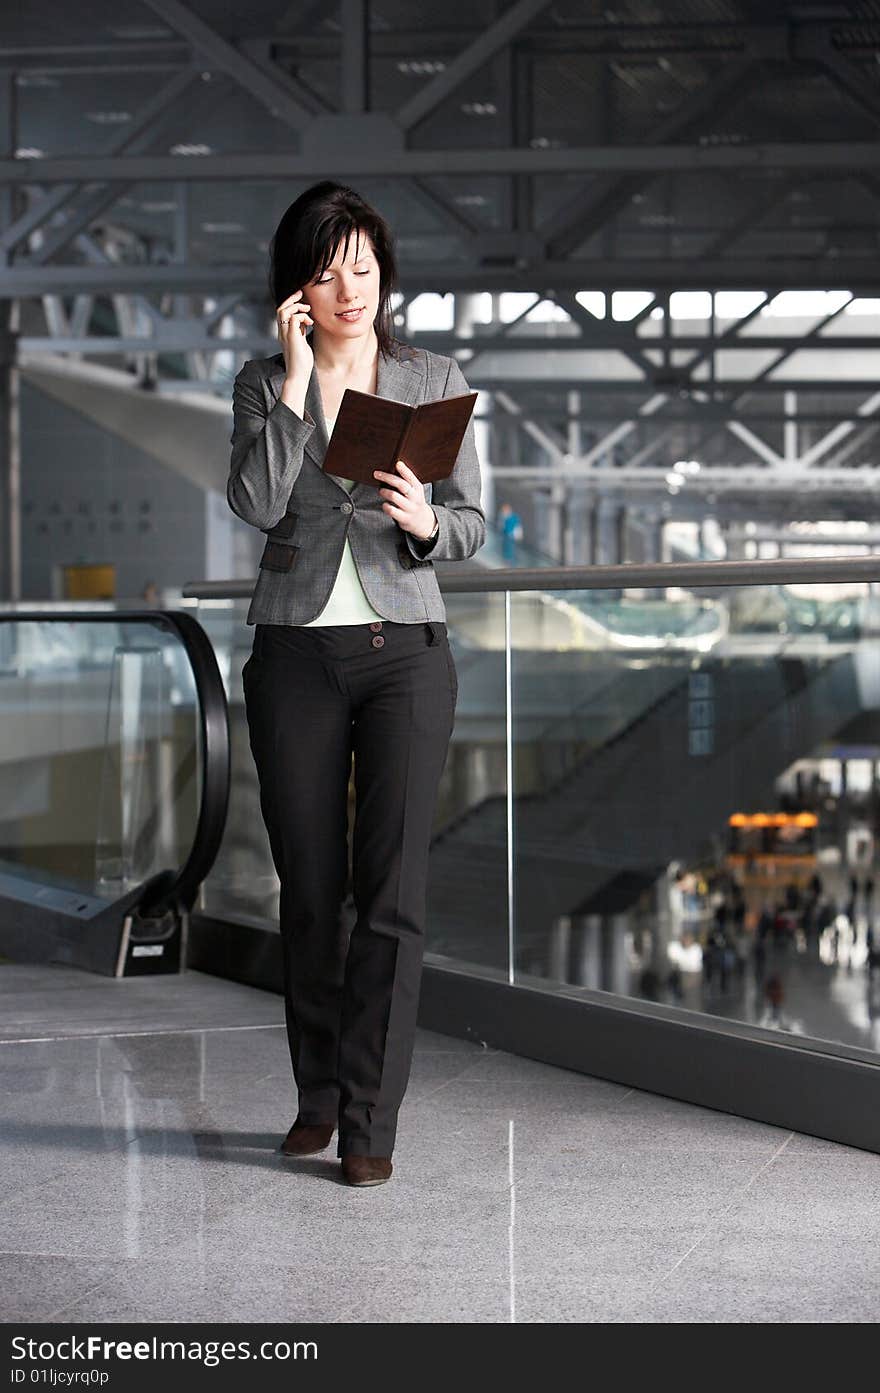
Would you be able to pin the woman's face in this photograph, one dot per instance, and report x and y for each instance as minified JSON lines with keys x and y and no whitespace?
{"x":350,"y":282}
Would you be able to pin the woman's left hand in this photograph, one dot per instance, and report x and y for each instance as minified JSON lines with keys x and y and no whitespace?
{"x":407,"y":506}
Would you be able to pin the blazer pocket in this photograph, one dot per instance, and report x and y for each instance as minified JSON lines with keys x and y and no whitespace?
{"x":277,"y":556}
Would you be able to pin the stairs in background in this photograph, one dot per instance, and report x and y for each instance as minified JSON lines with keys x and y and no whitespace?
{"x":631,"y":806}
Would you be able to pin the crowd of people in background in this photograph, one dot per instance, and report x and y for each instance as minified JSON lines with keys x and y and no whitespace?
{"x":764,"y":933}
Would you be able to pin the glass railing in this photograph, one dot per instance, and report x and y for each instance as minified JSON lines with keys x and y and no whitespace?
{"x":655,"y":618}
{"x":595,"y":829}
{"x":113,"y":781}
{"x":842,"y":613}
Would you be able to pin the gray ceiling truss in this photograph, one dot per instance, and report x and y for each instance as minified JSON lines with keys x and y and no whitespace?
{"x":107,"y":290}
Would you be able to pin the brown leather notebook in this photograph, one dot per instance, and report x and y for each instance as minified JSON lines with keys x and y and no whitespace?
{"x":375,"y":432}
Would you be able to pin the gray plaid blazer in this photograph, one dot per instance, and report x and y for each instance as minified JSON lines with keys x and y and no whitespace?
{"x":276,"y":483}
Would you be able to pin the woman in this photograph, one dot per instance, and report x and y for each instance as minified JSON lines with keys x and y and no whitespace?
{"x":350,"y":660}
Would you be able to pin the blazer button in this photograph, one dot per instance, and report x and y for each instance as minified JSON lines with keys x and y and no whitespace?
{"x":376,"y":625}
{"x":378,"y":641}
{"x":348,"y":507}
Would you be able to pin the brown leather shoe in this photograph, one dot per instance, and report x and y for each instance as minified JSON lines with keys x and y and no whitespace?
{"x":306,"y":1138}
{"x":366,"y":1170}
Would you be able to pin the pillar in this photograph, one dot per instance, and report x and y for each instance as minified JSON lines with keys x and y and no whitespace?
{"x":10,"y":453}
{"x":586,"y":950}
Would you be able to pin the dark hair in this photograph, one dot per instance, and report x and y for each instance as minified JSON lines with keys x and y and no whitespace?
{"x":306,"y":240}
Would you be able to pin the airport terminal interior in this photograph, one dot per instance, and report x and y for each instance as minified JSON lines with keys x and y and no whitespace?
{"x":645,"y":1074}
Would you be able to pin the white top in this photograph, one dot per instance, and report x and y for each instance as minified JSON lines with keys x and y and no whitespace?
{"x":347,"y":602}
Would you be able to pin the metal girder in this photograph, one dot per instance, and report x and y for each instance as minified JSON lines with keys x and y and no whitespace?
{"x":620,"y":431}
{"x":223,"y":307}
{"x":349,"y":161}
{"x":278,"y":95}
{"x":454,"y":219}
{"x":498,"y":35}
{"x":730,"y":336}
{"x":650,"y":38}
{"x":861,"y":276}
{"x":78,"y":221}
{"x":592,"y":339}
{"x":592,"y":208}
{"x":183,"y":339}
{"x":812,"y":339}
{"x":260,"y":52}
{"x":766,"y":376}
{"x":355,"y":65}
{"x":842,"y":74}
{"x":856,"y":441}
{"x":839,"y":432}
{"x":658,"y":442}
{"x":754,"y":442}
{"x":723,"y":388}
{"x":597,"y":333}
{"x":766,"y":202}
{"x":143,"y":120}
{"x":500,"y":337}
{"x":812,"y":539}
{"x":712,"y":479}
{"x":548,"y":440}
{"x":559,"y":453}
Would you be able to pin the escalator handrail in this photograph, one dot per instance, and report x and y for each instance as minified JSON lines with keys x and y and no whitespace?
{"x":177,"y":889}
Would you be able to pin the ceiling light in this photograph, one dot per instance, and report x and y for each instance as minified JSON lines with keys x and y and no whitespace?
{"x":479,"y":108}
{"x":141,"y":31}
{"x":35,"y":80}
{"x":222,"y":227}
{"x":722,"y":138}
{"x":108,"y":118}
{"x":29,"y":152}
{"x":184,"y":149}
{"x":421,"y":67}
{"x":158,"y":205}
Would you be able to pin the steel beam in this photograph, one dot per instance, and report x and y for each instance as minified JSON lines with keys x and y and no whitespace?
{"x":278,"y":96}
{"x":591,"y":209}
{"x":861,"y":276}
{"x":477,"y":53}
{"x":10,"y":454}
{"x":347,"y":161}
{"x":647,"y":39}
{"x":355,"y":65}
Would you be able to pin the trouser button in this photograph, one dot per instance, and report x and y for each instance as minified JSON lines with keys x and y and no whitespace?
{"x":376,"y":626}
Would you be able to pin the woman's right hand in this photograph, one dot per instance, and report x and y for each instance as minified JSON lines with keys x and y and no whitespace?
{"x":292,"y":317}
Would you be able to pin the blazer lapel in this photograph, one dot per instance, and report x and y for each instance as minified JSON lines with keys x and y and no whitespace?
{"x":395,"y":379}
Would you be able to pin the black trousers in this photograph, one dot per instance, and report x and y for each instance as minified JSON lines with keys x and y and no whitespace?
{"x":383,"y":694}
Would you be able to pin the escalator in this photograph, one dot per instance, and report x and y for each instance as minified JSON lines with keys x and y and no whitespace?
{"x":114,"y":785}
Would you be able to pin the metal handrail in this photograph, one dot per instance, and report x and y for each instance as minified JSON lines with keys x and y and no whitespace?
{"x":178,"y":888}
{"x":455,"y":578}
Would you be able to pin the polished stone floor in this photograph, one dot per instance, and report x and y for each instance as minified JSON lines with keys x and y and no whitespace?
{"x":141,"y":1182}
